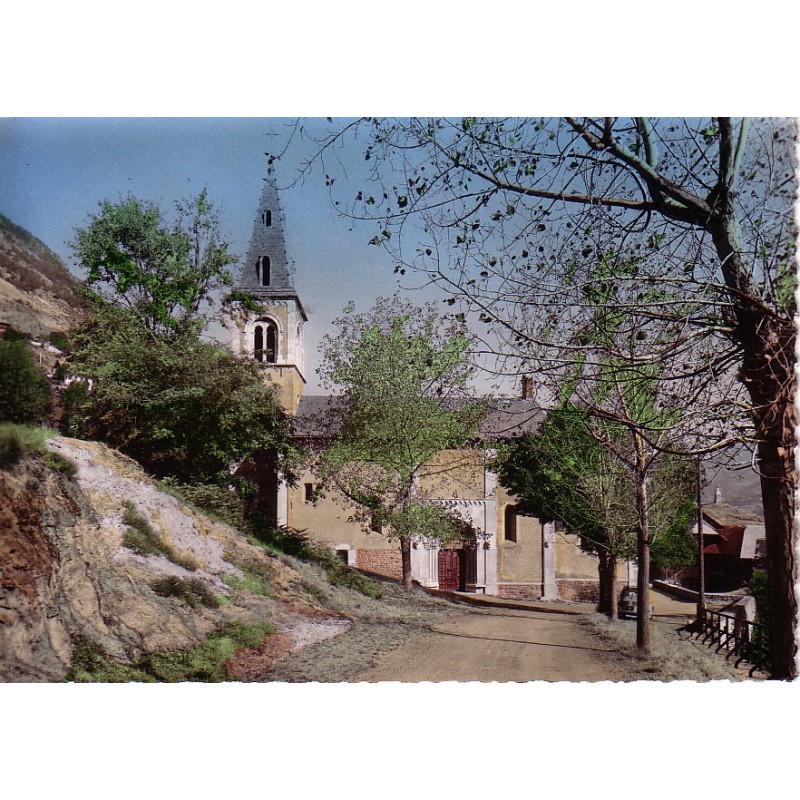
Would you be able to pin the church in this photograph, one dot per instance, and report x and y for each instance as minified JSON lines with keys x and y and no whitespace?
{"x":506,"y":555}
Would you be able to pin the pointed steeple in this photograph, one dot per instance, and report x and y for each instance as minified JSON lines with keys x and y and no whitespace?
{"x":272,"y":331}
{"x":267,"y":272}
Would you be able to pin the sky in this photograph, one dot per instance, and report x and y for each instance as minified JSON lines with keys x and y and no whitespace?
{"x":55,"y":171}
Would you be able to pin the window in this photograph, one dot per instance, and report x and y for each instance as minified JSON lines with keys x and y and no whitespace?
{"x":258,"y":343}
{"x":342,"y":555}
{"x":271,"y":348}
{"x":309,"y":489}
{"x":375,"y":522}
{"x":266,"y":218}
{"x":511,"y":524}
{"x":263,"y":271}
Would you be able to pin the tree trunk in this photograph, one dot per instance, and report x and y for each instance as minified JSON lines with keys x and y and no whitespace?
{"x":405,"y":552}
{"x":768,"y":373}
{"x":643,"y":547}
{"x":607,"y":574}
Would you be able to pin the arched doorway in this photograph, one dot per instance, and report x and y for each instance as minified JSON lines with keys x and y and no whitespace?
{"x":458,"y":565}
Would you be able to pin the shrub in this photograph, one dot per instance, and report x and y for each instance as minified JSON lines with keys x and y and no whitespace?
{"x":60,"y":340}
{"x":17,"y":441}
{"x":10,"y":447}
{"x":192,"y":591}
{"x":204,"y":662}
{"x":339,"y":574}
{"x":77,"y":410}
{"x":762,"y":633}
{"x":91,"y":664}
{"x":143,"y":539}
{"x":60,"y":464}
{"x":24,"y":391}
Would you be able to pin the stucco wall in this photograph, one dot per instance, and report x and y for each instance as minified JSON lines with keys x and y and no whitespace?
{"x":519,"y":561}
{"x":327,"y":520}
{"x":453,"y":474}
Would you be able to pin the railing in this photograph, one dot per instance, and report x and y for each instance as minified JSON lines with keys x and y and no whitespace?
{"x":737,"y":636}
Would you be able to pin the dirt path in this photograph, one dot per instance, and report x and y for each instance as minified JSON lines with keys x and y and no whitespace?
{"x":500,"y":646}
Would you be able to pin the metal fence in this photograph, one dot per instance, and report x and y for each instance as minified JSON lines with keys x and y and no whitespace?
{"x":737,"y":637}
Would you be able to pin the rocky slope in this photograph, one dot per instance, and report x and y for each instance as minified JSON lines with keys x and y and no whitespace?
{"x":37,"y":292}
{"x":67,"y":576}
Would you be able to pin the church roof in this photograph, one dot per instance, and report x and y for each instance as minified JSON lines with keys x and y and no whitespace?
{"x":506,"y":418}
{"x":268,"y":240}
{"x":723,"y":515}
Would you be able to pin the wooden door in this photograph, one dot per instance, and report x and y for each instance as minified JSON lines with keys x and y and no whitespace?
{"x":449,"y":570}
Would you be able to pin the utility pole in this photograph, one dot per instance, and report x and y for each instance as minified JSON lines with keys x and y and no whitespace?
{"x":701,"y":572}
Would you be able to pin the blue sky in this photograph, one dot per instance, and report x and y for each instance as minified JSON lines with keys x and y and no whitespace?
{"x":54,"y":171}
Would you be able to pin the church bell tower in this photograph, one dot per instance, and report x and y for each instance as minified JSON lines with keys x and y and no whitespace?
{"x":272,"y":335}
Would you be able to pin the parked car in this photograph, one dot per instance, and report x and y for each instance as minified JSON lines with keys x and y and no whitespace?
{"x":629,"y":604}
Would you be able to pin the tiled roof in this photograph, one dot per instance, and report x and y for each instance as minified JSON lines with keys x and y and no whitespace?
{"x":729,"y":542}
{"x":506,"y":418}
{"x":722,"y":514}
{"x":753,"y":541}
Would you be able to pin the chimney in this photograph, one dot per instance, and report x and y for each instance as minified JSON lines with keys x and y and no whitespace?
{"x":717,"y":496}
{"x":527,"y":387}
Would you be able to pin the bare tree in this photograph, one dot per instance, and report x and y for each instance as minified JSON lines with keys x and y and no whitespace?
{"x":511,"y":217}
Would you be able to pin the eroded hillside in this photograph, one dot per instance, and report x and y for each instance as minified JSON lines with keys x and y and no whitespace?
{"x":37,"y":292}
{"x":79,"y":574}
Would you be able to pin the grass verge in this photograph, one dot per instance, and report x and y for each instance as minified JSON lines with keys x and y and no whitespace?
{"x":256,"y":579}
{"x":674,"y":656}
{"x":206,"y":662}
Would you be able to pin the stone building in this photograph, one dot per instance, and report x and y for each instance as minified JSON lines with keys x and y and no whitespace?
{"x":506,"y":554}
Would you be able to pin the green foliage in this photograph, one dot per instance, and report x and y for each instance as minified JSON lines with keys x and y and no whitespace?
{"x":143,"y":539}
{"x":24,"y":391}
{"x":339,"y":574}
{"x":562,"y":473}
{"x":673,"y":545}
{"x":160,"y":273}
{"x":11,"y":450}
{"x":762,"y":634}
{"x":61,"y":341}
{"x":180,"y":406}
{"x":60,"y":464}
{"x":205,"y":662}
{"x":91,"y":664}
{"x":17,"y":441}
{"x":403,"y":372}
{"x":78,"y":417}
{"x":193,"y":592}
{"x":570,"y":472}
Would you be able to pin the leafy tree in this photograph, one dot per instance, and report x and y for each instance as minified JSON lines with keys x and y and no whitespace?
{"x":24,"y":391}
{"x":161,"y":273}
{"x":511,"y":211}
{"x":180,"y":406}
{"x":563,"y":473}
{"x":403,"y":377}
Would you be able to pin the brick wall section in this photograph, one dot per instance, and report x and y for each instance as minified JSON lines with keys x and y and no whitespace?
{"x":388,"y":563}
{"x":520,"y":591}
{"x":583,"y":591}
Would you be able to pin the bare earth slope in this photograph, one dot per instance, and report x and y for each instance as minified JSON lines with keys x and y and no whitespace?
{"x":37,"y":292}
{"x":65,"y":574}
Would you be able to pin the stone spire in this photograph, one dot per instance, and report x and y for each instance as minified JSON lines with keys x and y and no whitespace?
{"x":272,"y":332}
{"x":267,"y":272}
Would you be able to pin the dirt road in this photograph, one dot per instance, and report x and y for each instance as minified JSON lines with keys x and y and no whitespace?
{"x":502,"y":646}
